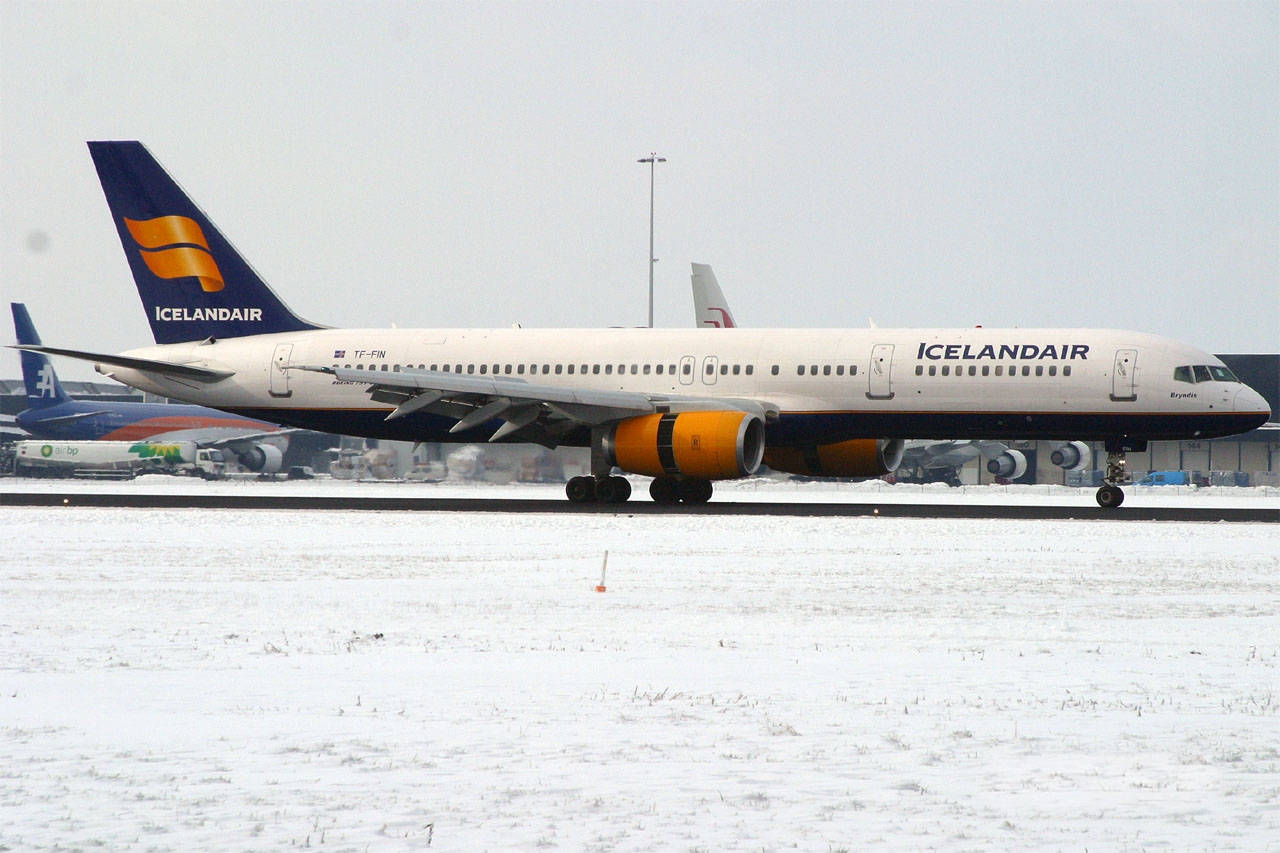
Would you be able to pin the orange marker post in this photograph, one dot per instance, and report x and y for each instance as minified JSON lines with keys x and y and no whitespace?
{"x":603,"y":566}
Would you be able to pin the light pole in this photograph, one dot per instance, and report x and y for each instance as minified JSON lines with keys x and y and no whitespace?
{"x":652,"y":159}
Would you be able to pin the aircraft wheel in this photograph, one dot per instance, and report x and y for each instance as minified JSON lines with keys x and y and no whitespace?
{"x":695,"y":491}
{"x":580,"y":489}
{"x":1110,"y":497}
{"x":664,"y":490}
{"x":613,"y":490}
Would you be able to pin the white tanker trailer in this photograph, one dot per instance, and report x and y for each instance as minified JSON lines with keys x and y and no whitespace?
{"x":116,"y":459}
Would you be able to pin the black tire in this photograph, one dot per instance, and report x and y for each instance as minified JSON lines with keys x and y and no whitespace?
{"x":695,"y":491}
{"x":613,"y":490}
{"x":664,"y":490}
{"x":580,"y":489}
{"x":1110,"y":497}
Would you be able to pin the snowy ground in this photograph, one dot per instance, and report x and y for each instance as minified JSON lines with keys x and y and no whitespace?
{"x":222,"y":679}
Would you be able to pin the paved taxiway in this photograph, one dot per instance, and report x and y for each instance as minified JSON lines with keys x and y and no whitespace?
{"x":641,"y":507}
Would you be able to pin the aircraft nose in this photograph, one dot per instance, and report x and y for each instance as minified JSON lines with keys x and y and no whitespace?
{"x":1249,"y":400}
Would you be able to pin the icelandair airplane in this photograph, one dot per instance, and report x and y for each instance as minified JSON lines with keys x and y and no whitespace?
{"x":53,"y":414}
{"x":681,"y":406}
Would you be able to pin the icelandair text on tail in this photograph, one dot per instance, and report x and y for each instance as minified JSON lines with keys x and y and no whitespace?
{"x":196,"y":315}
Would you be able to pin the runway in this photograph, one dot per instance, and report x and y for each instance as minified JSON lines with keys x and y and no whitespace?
{"x":69,"y":498}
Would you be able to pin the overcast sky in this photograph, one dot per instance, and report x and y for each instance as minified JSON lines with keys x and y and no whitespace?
{"x":929,"y":164}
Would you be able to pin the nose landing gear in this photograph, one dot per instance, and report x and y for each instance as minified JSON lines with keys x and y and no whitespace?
{"x":1110,"y":495}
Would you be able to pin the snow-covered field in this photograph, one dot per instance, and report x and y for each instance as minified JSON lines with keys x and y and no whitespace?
{"x":222,"y":679}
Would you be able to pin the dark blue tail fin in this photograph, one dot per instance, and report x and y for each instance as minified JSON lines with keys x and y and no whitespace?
{"x":193,"y":283}
{"x":43,"y":388}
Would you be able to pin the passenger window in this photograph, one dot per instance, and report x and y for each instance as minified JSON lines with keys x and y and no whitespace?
{"x":571,"y":370}
{"x":773,"y":371}
{"x":506,"y":368}
{"x":659,"y":369}
{"x":647,"y":369}
{"x":1026,"y":370}
{"x":1039,"y":370}
{"x":751,"y":369}
{"x":724,"y":370}
{"x":584,"y":369}
{"x":520,"y":370}
{"x":973,"y":370}
{"x":559,"y":369}
{"x":826,"y":370}
{"x":1053,"y":370}
{"x":737,"y":369}
{"x":839,"y":370}
{"x":1202,"y":373}
{"x":853,"y":370}
{"x":359,"y":367}
{"x":608,"y":370}
{"x":687,"y":369}
{"x":634,"y":370}
{"x":933,"y":370}
{"x":919,"y":370}
{"x":813,"y":370}
{"x":1066,"y":370}
{"x":946,"y":370}
{"x":999,"y":370}
{"x":800,"y":370}
{"x":483,"y":368}
{"x":986,"y":370}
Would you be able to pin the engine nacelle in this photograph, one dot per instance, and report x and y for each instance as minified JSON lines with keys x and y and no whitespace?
{"x":263,"y":458}
{"x":1011,"y":465}
{"x":707,"y":445}
{"x":857,"y":457}
{"x":1071,"y":456}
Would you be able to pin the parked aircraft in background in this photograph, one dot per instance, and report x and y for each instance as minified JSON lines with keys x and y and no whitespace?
{"x":928,"y":459}
{"x":53,"y":414}
{"x":682,"y":406}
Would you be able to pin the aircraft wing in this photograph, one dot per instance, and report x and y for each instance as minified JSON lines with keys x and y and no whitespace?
{"x":539,"y":413}
{"x":250,"y":437}
{"x":163,"y":368}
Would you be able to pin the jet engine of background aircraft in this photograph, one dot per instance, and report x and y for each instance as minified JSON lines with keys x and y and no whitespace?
{"x":1011,"y":464}
{"x":705,"y":445}
{"x":259,"y":458}
{"x":857,"y":457}
{"x":1071,"y":456}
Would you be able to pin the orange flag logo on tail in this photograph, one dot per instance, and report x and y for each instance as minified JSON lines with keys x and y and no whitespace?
{"x":175,"y":247}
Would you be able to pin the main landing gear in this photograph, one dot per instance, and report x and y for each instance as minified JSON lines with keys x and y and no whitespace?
{"x":1110,"y":495}
{"x":606,"y":490}
{"x":615,"y":490}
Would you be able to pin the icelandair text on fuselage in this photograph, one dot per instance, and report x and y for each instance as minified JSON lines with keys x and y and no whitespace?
{"x":1023,"y":352}
{"x":196,"y":315}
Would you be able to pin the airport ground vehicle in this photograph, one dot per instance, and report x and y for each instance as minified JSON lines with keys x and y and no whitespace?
{"x":116,"y":459}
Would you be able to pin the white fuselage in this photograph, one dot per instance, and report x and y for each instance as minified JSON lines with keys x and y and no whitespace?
{"x":825,"y":384}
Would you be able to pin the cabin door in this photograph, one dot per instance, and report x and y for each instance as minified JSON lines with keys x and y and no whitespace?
{"x":280,"y":376}
{"x":1123,"y":386}
{"x":878,"y":383}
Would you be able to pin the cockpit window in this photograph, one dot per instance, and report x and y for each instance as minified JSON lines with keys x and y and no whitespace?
{"x":1202,"y":373}
{"x":1182,"y":374}
{"x":1222,"y":374}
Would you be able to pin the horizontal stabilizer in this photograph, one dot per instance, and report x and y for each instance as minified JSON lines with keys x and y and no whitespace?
{"x":162,"y":368}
